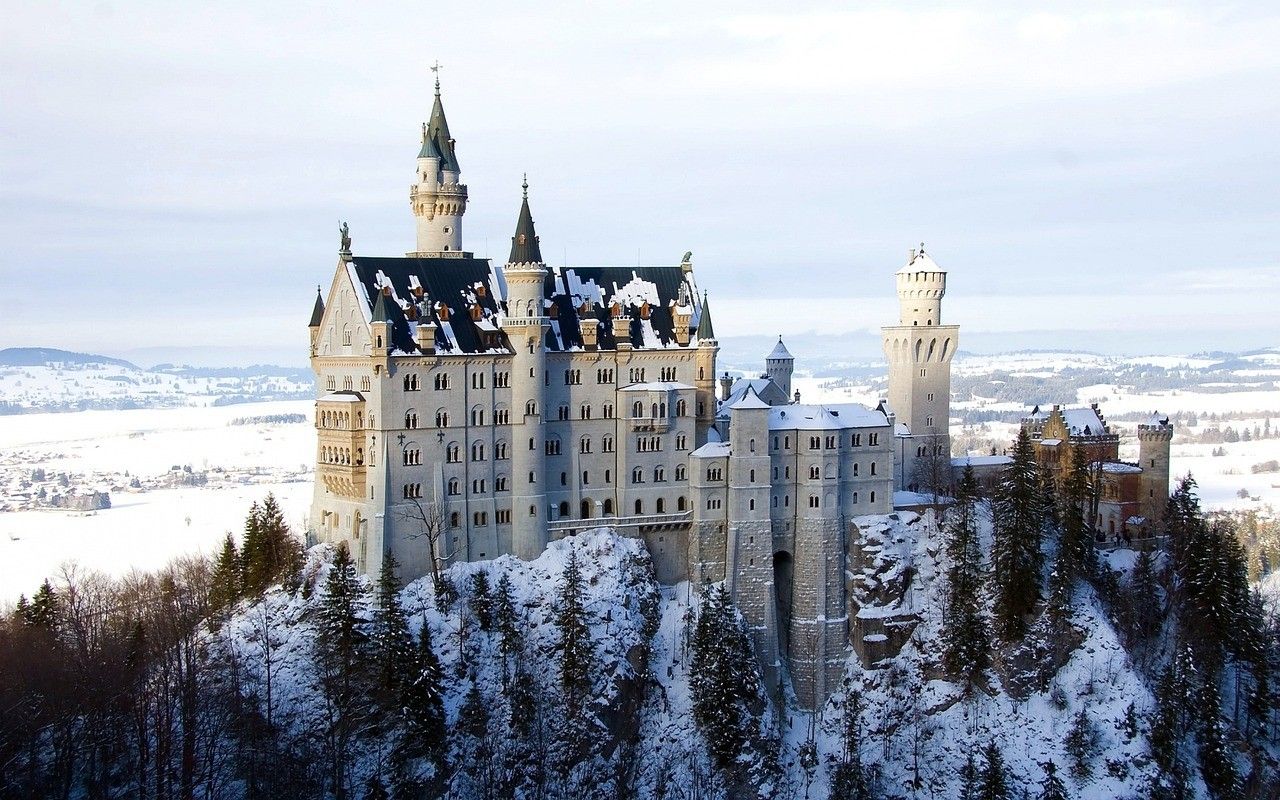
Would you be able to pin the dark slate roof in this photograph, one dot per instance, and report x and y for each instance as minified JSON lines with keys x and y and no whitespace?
{"x":451,"y":281}
{"x":524,"y":245}
{"x":567,"y":288}
{"x":438,"y":134}
{"x":380,"y":308}
{"x":429,"y":149}
{"x":317,"y":311}
{"x":705,"y":331}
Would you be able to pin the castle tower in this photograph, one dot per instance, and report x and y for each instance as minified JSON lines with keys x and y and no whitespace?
{"x":1154,"y":438}
{"x":437,"y":196}
{"x":317,"y":317}
{"x":919,"y":350}
{"x":706,"y":383}
{"x":779,"y":365}
{"x":526,"y":326}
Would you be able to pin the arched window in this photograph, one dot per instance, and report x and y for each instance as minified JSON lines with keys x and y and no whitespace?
{"x":584,"y":444}
{"x":637,"y":409}
{"x":661,"y":506}
{"x":680,"y":503}
{"x":608,"y":506}
{"x":411,"y":419}
{"x":681,"y":472}
{"x":455,"y":519}
{"x":530,"y":408}
{"x":639,"y":506}
{"x":477,"y":416}
{"x":637,"y":475}
{"x":564,"y":509}
{"x":455,"y":488}
{"x":442,"y":418}
{"x":751,"y":476}
{"x":681,"y":408}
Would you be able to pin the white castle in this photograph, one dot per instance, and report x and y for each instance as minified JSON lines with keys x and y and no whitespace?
{"x":466,"y":410}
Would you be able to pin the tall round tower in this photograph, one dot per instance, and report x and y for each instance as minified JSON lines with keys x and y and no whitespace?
{"x":919,"y":350}
{"x":1154,"y":439}
{"x":526,"y":326}
{"x":779,"y":366}
{"x":437,"y":195}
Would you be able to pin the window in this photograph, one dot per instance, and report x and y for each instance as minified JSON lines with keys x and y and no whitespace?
{"x":584,"y":444}
{"x":454,"y":487}
{"x":564,"y":479}
{"x":607,"y":411}
{"x":411,"y":382}
{"x":572,"y":377}
{"x":786,"y":472}
{"x":346,"y":383}
{"x":455,"y":520}
{"x":639,"y":506}
{"x":442,"y":381}
{"x":500,"y":483}
{"x":637,"y":475}
{"x":637,"y":409}
{"x":477,"y":416}
{"x":608,"y":476}
{"x":480,"y":518}
{"x":608,"y":506}
{"x":682,"y":442}
{"x":856,"y":440}
{"x":713,"y":503}
{"x":928,"y":421}
{"x":442,"y":419}
{"x":751,"y":476}
{"x":479,"y":486}
{"x":562,"y":412}
{"x":751,"y":505}
{"x":815,"y":442}
{"x":813,"y":501}
{"x":814,"y":473}
{"x":752,"y":445}
{"x":502,"y":380}
{"x":873,"y":439}
{"x":364,"y":384}
{"x":586,"y":478}
{"x":682,"y":408}
{"x":659,"y":475}
{"x":831,"y":442}
{"x":502,"y":516}
{"x":855,"y":498}
{"x":855,"y":469}
{"x":923,"y":373}
{"x":411,"y":420}
{"x":715,"y":474}
{"x":873,"y":468}
{"x":585,"y":411}
{"x":873,"y":497}
{"x":453,"y":453}
{"x":412,"y":491}
{"x":501,"y":416}
{"x":500,"y":451}
{"x":477,"y":380}
{"x":412,"y":457}
{"x":331,"y":383}
{"x":661,"y":506}
{"x":531,"y":409}
{"x":681,"y":473}
{"x":930,"y":397}
{"x":606,"y":444}
{"x":553,"y":447}
{"x":477,"y":451}
{"x":346,"y":336}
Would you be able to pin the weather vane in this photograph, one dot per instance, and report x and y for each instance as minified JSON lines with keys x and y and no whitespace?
{"x":436,"y":69}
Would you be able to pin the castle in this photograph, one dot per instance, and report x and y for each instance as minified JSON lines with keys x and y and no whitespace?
{"x":466,"y":410}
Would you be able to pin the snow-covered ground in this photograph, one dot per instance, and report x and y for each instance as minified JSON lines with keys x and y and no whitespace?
{"x":145,"y":529}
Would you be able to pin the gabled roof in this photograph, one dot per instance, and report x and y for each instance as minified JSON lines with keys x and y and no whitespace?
{"x":524,"y":245}
{"x":749,"y":401}
{"x":764,"y":388}
{"x":780,"y":351}
{"x":317,"y":311}
{"x":1083,"y":422}
{"x":586,"y":295}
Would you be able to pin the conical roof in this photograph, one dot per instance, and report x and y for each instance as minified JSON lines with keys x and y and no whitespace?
{"x":380,"y":308}
{"x":317,"y":312}
{"x":780,"y":351}
{"x":524,"y":245}
{"x":439,"y":138}
{"x":705,"y":331}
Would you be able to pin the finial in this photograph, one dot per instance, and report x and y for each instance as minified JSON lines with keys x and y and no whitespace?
{"x":436,"y":69}
{"x":424,"y":132}
{"x":922,"y":248}
{"x":317,"y":288}
{"x":524,"y":185}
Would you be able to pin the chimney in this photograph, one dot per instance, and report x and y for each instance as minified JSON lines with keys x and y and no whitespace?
{"x":911,"y":254}
{"x":425,"y":337}
{"x":622,"y":332}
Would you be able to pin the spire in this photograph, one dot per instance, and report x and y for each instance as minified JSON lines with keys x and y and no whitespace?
{"x":380,"y":308}
{"x":780,"y":351}
{"x":437,"y":135}
{"x":524,"y":245}
{"x":317,"y":313}
{"x":705,"y":331}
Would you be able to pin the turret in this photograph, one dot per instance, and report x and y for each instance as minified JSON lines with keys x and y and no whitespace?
{"x":381,"y":330}
{"x":437,"y":195}
{"x":317,"y":316}
{"x":526,"y":327}
{"x":779,"y":365}
{"x":921,"y":286}
{"x":1154,"y":439}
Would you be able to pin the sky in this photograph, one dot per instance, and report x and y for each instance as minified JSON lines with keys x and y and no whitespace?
{"x":1096,"y":176}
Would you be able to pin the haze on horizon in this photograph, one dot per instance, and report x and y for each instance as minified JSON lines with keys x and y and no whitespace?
{"x":1093,"y":177}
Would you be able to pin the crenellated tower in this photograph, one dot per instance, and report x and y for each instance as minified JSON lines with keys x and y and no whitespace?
{"x":919,"y":350}
{"x":779,"y":366}
{"x":438,"y":196}
{"x":1154,"y":439}
{"x":707,"y":349}
{"x":525,"y":324}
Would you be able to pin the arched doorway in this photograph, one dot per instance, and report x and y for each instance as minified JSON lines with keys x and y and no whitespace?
{"x":783,"y":578}
{"x":586,"y":509}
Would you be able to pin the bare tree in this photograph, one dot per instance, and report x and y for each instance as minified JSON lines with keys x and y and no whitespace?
{"x":428,"y":519}
{"x":932,"y":473}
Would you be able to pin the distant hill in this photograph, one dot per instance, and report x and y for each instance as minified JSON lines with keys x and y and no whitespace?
{"x":39,"y":356}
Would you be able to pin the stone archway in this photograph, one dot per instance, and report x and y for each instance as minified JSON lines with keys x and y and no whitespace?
{"x":783,"y":580}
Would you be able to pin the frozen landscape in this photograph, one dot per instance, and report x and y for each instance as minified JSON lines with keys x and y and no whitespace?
{"x":181,"y":475}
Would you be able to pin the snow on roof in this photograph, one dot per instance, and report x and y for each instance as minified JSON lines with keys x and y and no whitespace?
{"x":344,"y":396}
{"x":655,"y":386}
{"x":1120,"y":468}
{"x":1135,"y":520}
{"x":749,"y":401}
{"x":780,"y":351}
{"x":981,"y":461}
{"x":1157,"y":420}
{"x":807,"y":417}
{"x":921,"y":263}
{"x":712,"y":450}
{"x":1050,"y":442}
{"x":1083,"y":422}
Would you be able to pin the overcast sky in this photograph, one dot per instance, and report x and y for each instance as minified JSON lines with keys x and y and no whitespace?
{"x":1104,"y":174}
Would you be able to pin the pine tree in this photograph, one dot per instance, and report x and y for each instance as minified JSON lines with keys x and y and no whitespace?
{"x":1257,"y":652}
{"x":1015,"y":548}
{"x":1052,"y":788}
{"x":969,"y":777}
{"x":44,"y":612}
{"x":966,"y":646}
{"x":1217,"y":766}
{"x":225,"y":587}
{"x":391,"y":644}
{"x":722,"y":678}
{"x":423,"y":707}
{"x":1082,"y":745}
{"x":1075,"y":547}
{"x":1143,"y":599}
{"x":509,"y":625}
{"x":993,"y":781}
{"x":253,"y":554}
{"x":481,"y":601}
{"x":341,"y":647}
{"x":577,"y":654}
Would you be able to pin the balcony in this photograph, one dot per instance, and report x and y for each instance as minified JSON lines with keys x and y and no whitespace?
{"x":650,"y":424}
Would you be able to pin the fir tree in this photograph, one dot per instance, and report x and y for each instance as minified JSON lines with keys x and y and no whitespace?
{"x":509,"y":625}
{"x":1082,"y":745}
{"x":722,"y":679}
{"x":1143,"y":599}
{"x":969,"y":777}
{"x":1217,"y":766}
{"x":44,"y":611}
{"x":1075,"y":543}
{"x":422,"y":705}
{"x":1015,"y":548}
{"x":253,"y":554}
{"x":1052,"y":788}
{"x":966,"y":646}
{"x":225,"y":588}
{"x":341,"y":647}
{"x":993,"y":781}
{"x":481,"y":601}
{"x":576,"y":651}
{"x":391,"y":644}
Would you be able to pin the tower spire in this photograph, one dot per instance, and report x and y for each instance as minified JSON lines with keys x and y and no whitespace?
{"x":705,"y":331}
{"x":524,"y":245}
